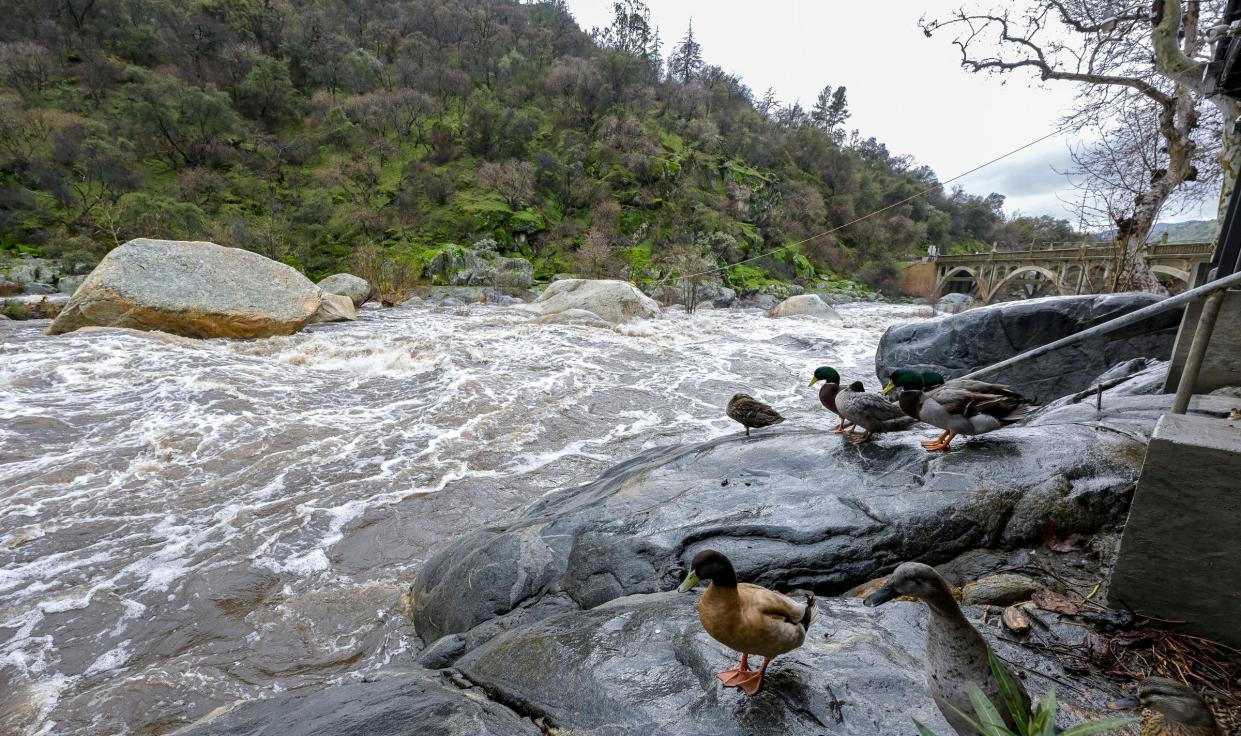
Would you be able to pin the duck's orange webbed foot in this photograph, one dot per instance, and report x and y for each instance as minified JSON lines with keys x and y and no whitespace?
{"x":928,"y":444}
{"x":738,"y":674}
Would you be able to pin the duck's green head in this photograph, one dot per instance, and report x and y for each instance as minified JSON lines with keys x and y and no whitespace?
{"x":906,"y":378}
{"x":825,"y":373}
{"x":931,"y":379}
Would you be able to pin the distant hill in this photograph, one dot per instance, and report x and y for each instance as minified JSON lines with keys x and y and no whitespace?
{"x":1190,"y":231}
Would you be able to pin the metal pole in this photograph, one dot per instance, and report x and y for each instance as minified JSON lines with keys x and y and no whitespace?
{"x":1197,"y":349}
{"x":1115,"y":324}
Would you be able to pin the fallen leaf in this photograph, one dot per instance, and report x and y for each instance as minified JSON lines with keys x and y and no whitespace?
{"x":1050,"y":600}
{"x":1015,"y":621}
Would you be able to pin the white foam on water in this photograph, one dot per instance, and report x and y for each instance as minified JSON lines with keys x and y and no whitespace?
{"x":151,"y":485}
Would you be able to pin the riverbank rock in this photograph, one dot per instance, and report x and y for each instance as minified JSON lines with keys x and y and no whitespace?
{"x":346,"y":284}
{"x":334,"y":308}
{"x":806,"y":304}
{"x":980,"y":337}
{"x":194,"y":289}
{"x":396,"y":704}
{"x":791,"y":509}
{"x":513,"y":273}
{"x":611,"y":301}
{"x":1000,"y":590}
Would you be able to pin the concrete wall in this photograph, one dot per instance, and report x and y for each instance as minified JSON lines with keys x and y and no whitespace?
{"x":1180,"y":557}
{"x":1222,"y":364}
{"x":918,"y":279}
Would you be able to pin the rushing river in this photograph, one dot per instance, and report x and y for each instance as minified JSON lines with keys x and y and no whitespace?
{"x":187,"y":523}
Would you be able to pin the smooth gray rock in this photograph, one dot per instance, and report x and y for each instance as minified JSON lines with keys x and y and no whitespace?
{"x":346,"y":284}
{"x":194,"y":289}
{"x":643,"y":665}
{"x":69,"y":284}
{"x":459,"y":267}
{"x":335,"y":308}
{"x":399,"y":704}
{"x":611,"y":301}
{"x":808,"y":305}
{"x":1000,"y":590}
{"x":980,"y":337}
{"x":791,"y":509}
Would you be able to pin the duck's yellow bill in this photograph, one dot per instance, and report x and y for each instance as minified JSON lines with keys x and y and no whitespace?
{"x":889,"y":388}
{"x":690,"y":581}
{"x":813,"y":381}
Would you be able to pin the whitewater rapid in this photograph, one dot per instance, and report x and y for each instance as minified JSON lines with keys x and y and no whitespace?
{"x":188,"y":523}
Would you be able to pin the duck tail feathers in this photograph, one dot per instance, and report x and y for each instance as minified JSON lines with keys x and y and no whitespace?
{"x":1016,"y":415}
{"x":808,"y":616}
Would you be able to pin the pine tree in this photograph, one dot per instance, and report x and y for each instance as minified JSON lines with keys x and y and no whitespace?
{"x":830,"y":110}
{"x":686,"y":59}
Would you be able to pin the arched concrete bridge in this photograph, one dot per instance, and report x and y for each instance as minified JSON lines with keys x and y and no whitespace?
{"x":1059,"y":269}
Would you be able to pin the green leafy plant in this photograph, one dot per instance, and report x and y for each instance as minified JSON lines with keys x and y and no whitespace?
{"x":1042,"y":722}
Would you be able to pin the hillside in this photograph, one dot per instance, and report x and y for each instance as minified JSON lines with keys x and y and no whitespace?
{"x":385,"y":131}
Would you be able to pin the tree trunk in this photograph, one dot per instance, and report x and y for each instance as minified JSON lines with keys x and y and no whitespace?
{"x":1229,"y":152}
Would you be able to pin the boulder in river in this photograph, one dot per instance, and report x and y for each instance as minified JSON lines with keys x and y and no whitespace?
{"x":346,"y":284}
{"x":335,"y":308}
{"x":980,"y":337}
{"x":791,"y":509}
{"x":194,"y":289}
{"x":611,"y":301}
{"x":805,"y":304}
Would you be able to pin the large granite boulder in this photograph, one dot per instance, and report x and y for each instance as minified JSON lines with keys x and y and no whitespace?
{"x":335,"y":308}
{"x":397,"y":704}
{"x":513,"y":273}
{"x":980,"y":337}
{"x":811,"y":305}
{"x":193,"y":289}
{"x":611,"y":301}
{"x":791,"y":509}
{"x":346,"y":284}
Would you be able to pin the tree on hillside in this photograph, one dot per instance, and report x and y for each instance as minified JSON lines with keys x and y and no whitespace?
{"x":686,"y":60}
{"x":830,"y":110}
{"x":631,"y":32}
{"x":1130,"y":59}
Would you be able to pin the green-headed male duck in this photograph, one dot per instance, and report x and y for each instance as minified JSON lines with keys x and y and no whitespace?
{"x":746,"y":618}
{"x":751,"y":412}
{"x":827,"y":394}
{"x":1171,"y":709}
{"x":956,"y":654}
{"x":958,"y":407}
{"x":871,"y":412}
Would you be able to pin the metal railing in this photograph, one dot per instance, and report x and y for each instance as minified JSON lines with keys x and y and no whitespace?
{"x":1213,"y":291}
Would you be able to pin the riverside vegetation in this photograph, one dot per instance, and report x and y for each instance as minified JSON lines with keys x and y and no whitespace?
{"x":373,"y":136}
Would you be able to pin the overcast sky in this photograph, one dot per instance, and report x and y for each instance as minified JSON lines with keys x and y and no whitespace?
{"x":905,"y":89}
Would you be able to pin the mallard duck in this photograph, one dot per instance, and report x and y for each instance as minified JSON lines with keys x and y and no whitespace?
{"x":746,"y":618}
{"x":956,"y":654}
{"x":871,"y":412}
{"x":827,"y":394}
{"x":751,"y":412}
{"x":957,"y":408}
{"x":1170,"y":709}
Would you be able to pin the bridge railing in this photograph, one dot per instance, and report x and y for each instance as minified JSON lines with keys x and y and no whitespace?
{"x":1086,"y":249}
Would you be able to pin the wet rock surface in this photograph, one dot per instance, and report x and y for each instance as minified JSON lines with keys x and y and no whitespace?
{"x":980,"y":337}
{"x":790,"y":509}
{"x":397,"y":704}
{"x":805,"y":305}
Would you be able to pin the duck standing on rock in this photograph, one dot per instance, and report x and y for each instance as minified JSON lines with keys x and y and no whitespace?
{"x":751,"y":412}
{"x":827,"y":394}
{"x":957,"y":407}
{"x":1171,"y":709}
{"x":747,"y":618}
{"x":956,"y":654}
{"x":871,"y":412}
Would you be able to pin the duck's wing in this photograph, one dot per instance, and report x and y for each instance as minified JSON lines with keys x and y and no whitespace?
{"x":872,"y":407}
{"x":937,"y":415}
{"x":957,"y":400}
{"x":758,"y":414}
{"x":981,"y":387}
{"x":779,"y":619}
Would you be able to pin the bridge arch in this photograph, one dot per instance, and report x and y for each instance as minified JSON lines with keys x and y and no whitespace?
{"x":1177,"y":279}
{"x":957,"y":273}
{"x":1052,"y":280}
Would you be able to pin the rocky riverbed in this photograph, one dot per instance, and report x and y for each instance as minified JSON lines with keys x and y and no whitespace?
{"x":188,"y":523}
